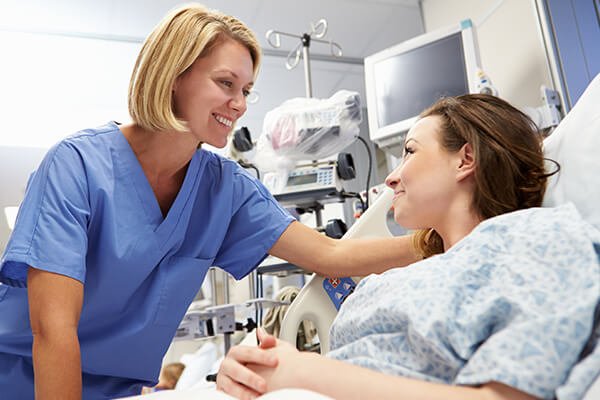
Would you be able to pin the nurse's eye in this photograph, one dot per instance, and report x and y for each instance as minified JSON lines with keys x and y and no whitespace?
{"x":408,"y":150}
{"x":246,"y":92}
{"x":227,"y":83}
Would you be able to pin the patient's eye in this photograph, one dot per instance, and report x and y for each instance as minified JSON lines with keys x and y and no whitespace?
{"x":408,"y":150}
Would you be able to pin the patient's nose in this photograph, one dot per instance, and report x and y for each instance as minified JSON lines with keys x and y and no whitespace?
{"x":392,"y":180}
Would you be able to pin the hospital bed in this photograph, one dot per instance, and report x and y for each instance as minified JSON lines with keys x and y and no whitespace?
{"x":574,"y":144}
{"x":313,"y":302}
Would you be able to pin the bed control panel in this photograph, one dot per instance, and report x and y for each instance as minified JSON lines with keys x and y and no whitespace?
{"x":338,"y":289}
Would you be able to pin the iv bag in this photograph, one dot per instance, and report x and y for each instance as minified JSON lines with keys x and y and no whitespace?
{"x":309,"y":128}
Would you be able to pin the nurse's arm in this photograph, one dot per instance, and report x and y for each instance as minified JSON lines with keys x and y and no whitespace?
{"x":313,"y":251}
{"x":55,"y":303}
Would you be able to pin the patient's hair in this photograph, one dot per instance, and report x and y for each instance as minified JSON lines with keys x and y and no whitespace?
{"x":507,"y":148}
{"x":185,"y":34}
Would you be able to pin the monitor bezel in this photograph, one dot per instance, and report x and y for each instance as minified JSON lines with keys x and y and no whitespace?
{"x":472,"y":64}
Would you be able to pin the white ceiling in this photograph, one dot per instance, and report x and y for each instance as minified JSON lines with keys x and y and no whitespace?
{"x":361,"y":27}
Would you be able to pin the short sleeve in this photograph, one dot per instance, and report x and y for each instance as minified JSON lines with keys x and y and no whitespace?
{"x":50,"y":232}
{"x":533,"y":356}
{"x":538,"y":334}
{"x":584,"y":376}
{"x":256,"y":224}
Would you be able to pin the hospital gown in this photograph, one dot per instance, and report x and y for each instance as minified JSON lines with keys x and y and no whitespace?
{"x":511,"y":302}
{"x":90,"y":214}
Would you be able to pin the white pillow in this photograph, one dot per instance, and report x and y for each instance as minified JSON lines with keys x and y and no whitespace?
{"x":197,"y":366}
{"x":575,"y":145}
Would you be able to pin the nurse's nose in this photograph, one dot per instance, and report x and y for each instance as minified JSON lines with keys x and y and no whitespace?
{"x":238,"y":103}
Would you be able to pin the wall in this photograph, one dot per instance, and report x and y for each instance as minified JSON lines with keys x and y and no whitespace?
{"x":510,"y":44}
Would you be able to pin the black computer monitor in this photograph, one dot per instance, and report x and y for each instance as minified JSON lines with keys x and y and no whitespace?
{"x":403,"y":80}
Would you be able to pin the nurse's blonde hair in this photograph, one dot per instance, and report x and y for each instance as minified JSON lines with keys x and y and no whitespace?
{"x":185,"y":34}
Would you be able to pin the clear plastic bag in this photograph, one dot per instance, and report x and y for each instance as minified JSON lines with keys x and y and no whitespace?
{"x":311,"y":129}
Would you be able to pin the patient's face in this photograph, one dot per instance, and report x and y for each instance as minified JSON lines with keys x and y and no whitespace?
{"x":424,"y":183}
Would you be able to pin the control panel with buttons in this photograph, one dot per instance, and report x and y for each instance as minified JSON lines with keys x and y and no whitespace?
{"x":305,"y":179}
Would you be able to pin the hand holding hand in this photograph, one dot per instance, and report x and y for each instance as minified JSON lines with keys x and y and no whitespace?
{"x":265,"y":341}
{"x":288,"y":359}
{"x":236,"y":379}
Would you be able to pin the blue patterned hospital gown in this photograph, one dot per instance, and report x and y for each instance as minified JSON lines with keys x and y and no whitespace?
{"x":512,"y":302}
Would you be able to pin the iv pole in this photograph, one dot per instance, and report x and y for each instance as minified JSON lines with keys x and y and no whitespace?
{"x":317,"y":32}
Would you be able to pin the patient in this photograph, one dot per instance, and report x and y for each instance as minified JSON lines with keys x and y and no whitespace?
{"x":500,"y":307}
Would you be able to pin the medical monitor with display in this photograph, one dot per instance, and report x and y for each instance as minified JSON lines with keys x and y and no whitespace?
{"x":403,"y":80}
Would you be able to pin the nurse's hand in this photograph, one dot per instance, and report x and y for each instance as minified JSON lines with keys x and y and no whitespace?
{"x":236,"y":379}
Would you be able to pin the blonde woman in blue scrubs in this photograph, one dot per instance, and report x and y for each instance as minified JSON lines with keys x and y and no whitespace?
{"x":120,"y":223}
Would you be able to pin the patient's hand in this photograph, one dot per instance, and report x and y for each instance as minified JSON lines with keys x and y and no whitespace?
{"x":234,"y":376}
{"x":283,"y":375}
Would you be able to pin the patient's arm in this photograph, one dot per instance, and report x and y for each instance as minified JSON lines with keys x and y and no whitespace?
{"x":55,"y":303}
{"x":305,"y":247}
{"x":342,"y":380}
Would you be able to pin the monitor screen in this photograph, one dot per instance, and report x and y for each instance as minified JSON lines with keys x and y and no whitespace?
{"x":403,"y":80}
{"x":302,"y":179}
{"x":407,"y":83}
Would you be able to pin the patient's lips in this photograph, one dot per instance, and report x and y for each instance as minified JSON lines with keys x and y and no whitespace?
{"x":398,"y":193}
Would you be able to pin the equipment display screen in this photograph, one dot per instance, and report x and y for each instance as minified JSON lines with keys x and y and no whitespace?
{"x":302,"y":179}
{"x":409,"y":82}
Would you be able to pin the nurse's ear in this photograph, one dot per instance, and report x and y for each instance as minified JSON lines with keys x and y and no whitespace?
{"x":466,"y":162}
{"x":177,"y":80}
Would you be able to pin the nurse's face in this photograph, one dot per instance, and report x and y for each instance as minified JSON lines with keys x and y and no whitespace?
{"x":211,"y":94}
{"x":424,"y":183}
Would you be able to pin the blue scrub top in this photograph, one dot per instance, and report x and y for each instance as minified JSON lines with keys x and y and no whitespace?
{"x":89,"y":213}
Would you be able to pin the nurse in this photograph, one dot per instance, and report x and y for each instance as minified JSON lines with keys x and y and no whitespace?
{"x":120,"y":223}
